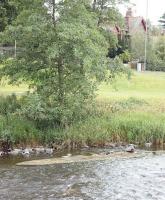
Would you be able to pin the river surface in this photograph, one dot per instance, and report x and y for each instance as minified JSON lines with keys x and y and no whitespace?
{"x":118,"y":179}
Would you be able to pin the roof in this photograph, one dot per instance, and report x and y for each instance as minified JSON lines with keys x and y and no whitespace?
{"x":112,"y":28}
{"x":135,"y":23}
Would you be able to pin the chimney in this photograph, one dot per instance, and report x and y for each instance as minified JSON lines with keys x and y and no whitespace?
{"x":129,"y":13}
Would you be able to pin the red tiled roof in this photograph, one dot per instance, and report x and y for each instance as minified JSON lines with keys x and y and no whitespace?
{"x":135,"y":23}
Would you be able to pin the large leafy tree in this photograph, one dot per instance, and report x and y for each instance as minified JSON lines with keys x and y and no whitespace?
{"x":109,"y":17}
{"x":62,"y":58}
{"x":102,"y":4}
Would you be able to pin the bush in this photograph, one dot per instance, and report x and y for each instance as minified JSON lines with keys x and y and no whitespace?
{"x":47,"y":114}
{"x":156,"y":57}
{"x":9,"y":104}
{"x":52,"y":136}
{"x":125,"y":57}
{"x":155,"y":64}
{"x":18,"y":131}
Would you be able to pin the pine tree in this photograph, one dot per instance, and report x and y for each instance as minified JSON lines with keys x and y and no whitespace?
{"x":162,"y":21}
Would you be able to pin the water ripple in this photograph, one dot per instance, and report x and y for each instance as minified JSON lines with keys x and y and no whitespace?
{"x":120,"y":179}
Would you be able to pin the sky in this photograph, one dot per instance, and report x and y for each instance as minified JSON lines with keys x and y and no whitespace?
{"x":156,"y":8}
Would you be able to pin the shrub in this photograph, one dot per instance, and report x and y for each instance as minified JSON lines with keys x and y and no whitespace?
{"x":155,"y":64}
{"x":125,"y":57}
{"x":52,"y":136}
{"x":156,"y":58}
{"x":8,"y":104}
{"x":18,"y":131}
{"x":48,"y":114}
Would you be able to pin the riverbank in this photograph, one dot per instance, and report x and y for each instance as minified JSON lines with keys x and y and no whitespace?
{"x":128,"y":111}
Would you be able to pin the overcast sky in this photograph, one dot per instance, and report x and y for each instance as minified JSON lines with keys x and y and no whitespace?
{"x":156,"y":8}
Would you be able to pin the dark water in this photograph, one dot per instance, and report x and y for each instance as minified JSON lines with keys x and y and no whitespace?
{"x":119,"y":179}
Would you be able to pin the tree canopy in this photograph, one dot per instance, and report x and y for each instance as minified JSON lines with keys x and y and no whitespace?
{"x":63,"y":57}
{"x":8,"y":13}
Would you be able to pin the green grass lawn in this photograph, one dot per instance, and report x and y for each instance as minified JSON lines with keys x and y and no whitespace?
{"x":145,"y":85}
{"x":8,"y":89}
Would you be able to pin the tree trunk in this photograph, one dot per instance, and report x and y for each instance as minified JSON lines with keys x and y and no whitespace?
{"x":54,"y":11}
{"x":102,"y":5}
{"x":61,"y":81}
{"x":94,"y":4}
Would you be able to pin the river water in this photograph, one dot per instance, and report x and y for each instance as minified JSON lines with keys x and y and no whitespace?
{"x":118,"y":179}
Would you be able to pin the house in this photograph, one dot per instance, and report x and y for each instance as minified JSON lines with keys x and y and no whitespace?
{"x":134,"y":24}
{"x":136,"y":27}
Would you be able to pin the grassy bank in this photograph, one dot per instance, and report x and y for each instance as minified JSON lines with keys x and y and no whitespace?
{"x":147,"y":85}
{"x":129,"y":111}
{"x":128,"y":127}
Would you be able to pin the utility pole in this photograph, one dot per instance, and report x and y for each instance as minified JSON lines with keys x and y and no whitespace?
{"x":146,"y":37}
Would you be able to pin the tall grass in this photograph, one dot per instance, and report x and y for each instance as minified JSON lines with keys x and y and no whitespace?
{"x":18,"y":131}
{"x":128,"y":127}
{"x":122,"y":124}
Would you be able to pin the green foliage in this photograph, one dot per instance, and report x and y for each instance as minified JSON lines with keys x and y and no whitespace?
{"x":130,"y":127}
{"x":103,"y":4}
{"x":160,"y":48}
{"x":7,"y":13}
{"x":44,"y":115}
{"x":156,"y":58}
{"x":63,"y":59}
{"x":137,"y":46}
{"x":162,"y":21}
{"x":155,"y":51}
{"x":18,"y":131}
{"x":125,"y":57}
{"x":126,"y":120}
{"x":117,"y":69}
{"x":3,"y":19}
{"x":138,"y":127}
{"x":53,"y":136}
{"x":109,"y":17}
{"x":154,"y":63}
{"x":8,"y":104}
{"x":128,"y":104}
